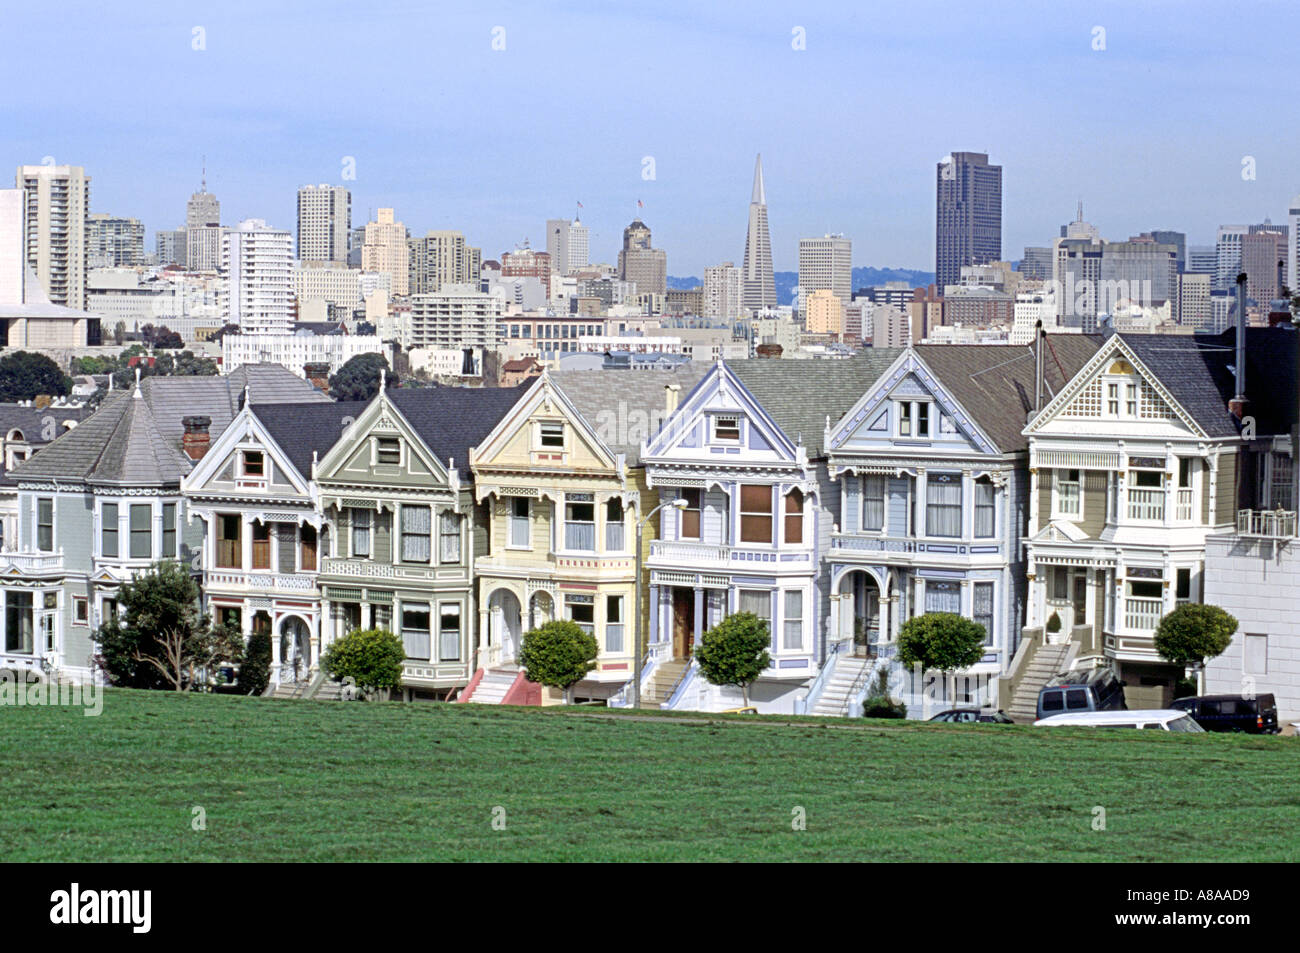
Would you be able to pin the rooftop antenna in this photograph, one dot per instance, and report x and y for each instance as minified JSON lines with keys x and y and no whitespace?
{"x":1080,"y":218}
{"x":383,"y":379}
{"x":137,"y":395}
{"x":203,"y":182}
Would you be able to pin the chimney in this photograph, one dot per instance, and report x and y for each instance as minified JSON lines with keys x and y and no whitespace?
{"x":1237,"y":406}
{"x":318,"y":375}
{"x":196,"y":439}
{"x":672,"y":393}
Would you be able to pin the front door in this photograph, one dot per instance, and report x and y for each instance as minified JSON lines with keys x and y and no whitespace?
{"x":683,"y":622}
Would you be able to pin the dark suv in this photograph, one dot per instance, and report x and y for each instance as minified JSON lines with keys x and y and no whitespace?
{"x":1255,"y":716}
{"x":1093,"y":689}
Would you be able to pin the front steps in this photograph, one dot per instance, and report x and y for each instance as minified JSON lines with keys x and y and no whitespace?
{"x":842,"y":685}
{"x":493,"y":687}
{"x":1047,"y":661}
{"x":659,"y":687}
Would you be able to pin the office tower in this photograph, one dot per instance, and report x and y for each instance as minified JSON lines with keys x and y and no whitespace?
{"x":642,"y":263}
{"x":1293,"y":246}
{"x":57,"y":202}
{"x":825,"y":263}
{"x":890,"y":327}
{"x":1227,"y":253}
{"x":567,"y":244}
{"x":524,"y":262}
{"x":1177,"y":239}
{"x":1194,"y":307}
{"x":825,"y":312}
{"x":1076,"y":273}
{"x":324,"y":223}
{"x":385,"y":250}
{"x":723,"y":290}
{"x":442,"y":257}
{"x":1260,"y":253}
{"x":759,"y":285}
{"x":202,"y":230}
{"x":1036,"y":263}
{"x":356,"y":244}
{"x":170,"y":247}
{"x":113,"y":242}
{"x":258,"y":265}
{"x":968,"y":214}
{"x":1202,"y":260}
{"x":1138,"y":272}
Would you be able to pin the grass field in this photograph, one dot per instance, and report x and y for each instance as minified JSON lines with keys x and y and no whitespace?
{"x":285,"y":780}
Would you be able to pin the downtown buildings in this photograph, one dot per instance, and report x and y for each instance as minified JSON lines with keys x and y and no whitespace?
{"x":968,"y":214}
{"x":324,"y":223}
{"x":758,"y":286}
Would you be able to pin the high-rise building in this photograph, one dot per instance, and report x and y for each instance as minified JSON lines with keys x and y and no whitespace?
{"x":641,"y":262}
{"x":1261,"y":251}
{"x":1036,"y":264}
{"x":57,"y":203}
{"x":203,"y":229}
{"x":113,"y":242}
{"x":759,"y":284}
{"x":356,"y":245}
{"x":1202,"y":260}
{"x":1177,"y":239}
{"x":968,"y":214}
{"x":324,"y":223}
{"x":458,"y":316}
{"x":385,"y":250}
{"x":825,"y":263}
{"x":1227,"y":253}
{"x":722,"y":295}
{"x":524,"y":262}
{"x":1293,"y":246}
{"x":439,"y":258}
{"x":567,"y":244}
{"x":825,"y":312}
{"x":171,"y":248}
{"x":258,"y":265}
{"x":1194,"y":307}
{"x":1138,"y":272}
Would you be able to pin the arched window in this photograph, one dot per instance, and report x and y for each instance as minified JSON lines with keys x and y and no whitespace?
{"x":794,"y":517}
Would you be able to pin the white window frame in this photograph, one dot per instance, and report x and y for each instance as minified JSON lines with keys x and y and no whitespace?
{"x":1059,"y":511}
{"x":512,"y":521}
{"x":716,"y":437}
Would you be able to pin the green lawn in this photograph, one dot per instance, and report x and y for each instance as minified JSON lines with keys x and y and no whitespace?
{"x":286,"y":780}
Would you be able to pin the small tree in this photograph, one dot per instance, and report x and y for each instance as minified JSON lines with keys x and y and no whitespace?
{"x":1054,"y":623}
{"x":734,"y":652}
{"x":941,"y":641}
{"x":558,"y":654}
{"x":255,"y":670}
{"x":1192,"y":634}
{"x":358,"y":379}
{"x":187,"y":660}
{"x":372,"y":658}
{"x":879,"y":703}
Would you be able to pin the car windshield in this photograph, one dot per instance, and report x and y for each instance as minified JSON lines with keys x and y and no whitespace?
{"x":1184,"y":723}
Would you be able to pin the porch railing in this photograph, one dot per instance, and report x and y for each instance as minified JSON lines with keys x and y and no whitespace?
{"x":1142,"y":614}
{"x":1274,"y":524}
{"x":1146,"y":504}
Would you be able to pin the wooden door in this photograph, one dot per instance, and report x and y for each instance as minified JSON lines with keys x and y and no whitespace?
{"x":683,"y":622}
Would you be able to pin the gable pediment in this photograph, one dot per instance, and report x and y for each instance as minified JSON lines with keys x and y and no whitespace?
{"x":381,"y":447}
{"x":518,"y":441}
{"x":222,"y":468}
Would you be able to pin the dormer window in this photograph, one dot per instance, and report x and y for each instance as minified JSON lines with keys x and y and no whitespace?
{"x":726,"y":429}
{"x":254,"y":463}
{"x":552,"y":435}
{"x":388,"y":450}
{"x":913,"y":418}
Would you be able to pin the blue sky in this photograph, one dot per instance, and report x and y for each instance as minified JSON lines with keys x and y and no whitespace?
{"x":1150,"y":132}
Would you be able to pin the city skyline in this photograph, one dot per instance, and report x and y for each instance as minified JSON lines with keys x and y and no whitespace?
{"x":445,"y":170}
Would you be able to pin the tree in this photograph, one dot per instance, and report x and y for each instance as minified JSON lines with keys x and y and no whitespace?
{"x":941,"y":641}
{"x":1192,"y":634}
{"x":879,"y":703}
{"x":358,"y":379}
{"x":160,"y":639}
{"x":255,"y":670}
{"x":372,"y":658}
{"x":734,"y":652}
{"x":24,"y":375}
{"x":558,"y":654}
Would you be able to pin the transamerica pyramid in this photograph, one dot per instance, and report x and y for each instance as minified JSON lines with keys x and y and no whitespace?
{"x":758,"y":289}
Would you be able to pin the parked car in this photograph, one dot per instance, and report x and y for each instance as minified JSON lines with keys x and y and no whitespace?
{"x":1256,"y":716}
{"x":967,"y":715}
{"x":1159,"y":719}
{"x":1094,"y":689}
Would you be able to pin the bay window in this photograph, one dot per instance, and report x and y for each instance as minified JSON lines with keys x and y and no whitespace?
{"x":755,"y":513}
{"x":614,"y":624}
{"x":942,"y":596}
{"x":308,"y":547}
{"x":519,"y":523}
{"x":873,"y":502}
{"x":792,"y":628}
{"x":757,"y":601}
{"x":415,"y":630}
{"x":141,"y":531}
{"x":261,"y":546}
{"x":449,"y":537}
{"x":580,"y":522}
{"x":229,"y":548}
{"x":982,"y":608}
{"x":169,"y":531}
{"x":19,"y":624}
{"x":985,"y":508}
{"x":794,"y":517}
{"x":449,"y":632}
{"x":582,"y":610}
{"x":45,"y":525}
{"x":417,"y":526}
{"x":108,"y":531}
{"x":360,"y":532}
{"x":615,"y":531}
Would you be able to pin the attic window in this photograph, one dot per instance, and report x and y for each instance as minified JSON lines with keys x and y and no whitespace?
{"x":552,"y":435}
{"x":254,"y":463}
{"x":726,"y":428}
{"x":388,"y":450}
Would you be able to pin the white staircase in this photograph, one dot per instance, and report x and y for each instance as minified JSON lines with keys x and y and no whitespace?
{"x":492,"y":687}
{"x":1047,"y":660}
{"x":844,"y":681}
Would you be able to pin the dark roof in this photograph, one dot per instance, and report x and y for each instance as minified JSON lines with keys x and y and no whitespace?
{"x":995,"y":382}
{"x":1198,"y":371}
{"x":800,"y":394}
{"x":304,"y":429}
{"x":450,"y":420}
{"x":31,"y":421}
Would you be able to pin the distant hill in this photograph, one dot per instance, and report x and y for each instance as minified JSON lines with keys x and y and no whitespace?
{"x":863,"y":277}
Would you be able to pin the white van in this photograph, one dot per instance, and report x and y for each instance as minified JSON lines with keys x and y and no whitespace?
{"x":1161,"y":719}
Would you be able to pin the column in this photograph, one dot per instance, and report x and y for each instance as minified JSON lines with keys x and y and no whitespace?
{"x":699,"y":614}
{"x":653,"y":626}
{"x":918,"y":504}
{"x":275,"y":656}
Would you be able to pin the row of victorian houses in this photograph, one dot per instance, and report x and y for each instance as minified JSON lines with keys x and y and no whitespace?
{"x":1081,"y":479}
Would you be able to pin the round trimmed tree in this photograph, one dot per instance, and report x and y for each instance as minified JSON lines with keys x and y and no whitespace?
{"x":371,"y":658}
{"x":941,"y":641}
{"x":558,"y":654}
{"x":734,"y":652}
{"x":1193,"y":634}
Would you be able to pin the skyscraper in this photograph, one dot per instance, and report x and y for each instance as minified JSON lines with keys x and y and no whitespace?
{"x":1260,"y":253}
{"x":57,"y":199}
{"x":442,"y":257}
{"x":385,"y":250}
{"x":825,"y":264}
{"x":324,"y":223}
{"x":203,"y":229}
{"x":968,"y":215}
{"x":722,"y":292}
{"x":114,"y":242}
{"x":1293,"y":245}
{"x":641,"y":262}
{"x":758,"y":286}
{"x":258,"y":262}
{"x":567,"y":244}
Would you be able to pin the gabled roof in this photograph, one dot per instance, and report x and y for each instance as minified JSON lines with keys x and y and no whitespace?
{"x":994,"y":383}
{"x":450,"y":420}
{"x":30,"y":421}
{"x":800,"y":394}
{"x":629,"y":396}
{"x":301,"y":430}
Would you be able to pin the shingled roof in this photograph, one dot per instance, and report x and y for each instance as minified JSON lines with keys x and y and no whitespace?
{"x":302,"y":430}
{"x":995,"y":382}
{"x":800,"y":394}
{"x":450,"y":420}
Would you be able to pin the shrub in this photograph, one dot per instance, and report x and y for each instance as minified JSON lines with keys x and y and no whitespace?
{"x":255,"y":672}
{"x":558,"y":654}
{"x":879,"y":703}
{"x":372,"y":658}
{"x":1054,"y":623}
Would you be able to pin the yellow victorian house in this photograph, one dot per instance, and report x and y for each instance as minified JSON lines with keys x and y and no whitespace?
{"x":561,"y":507}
